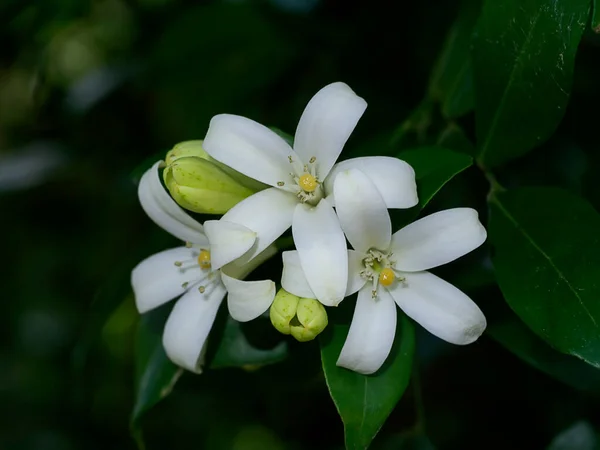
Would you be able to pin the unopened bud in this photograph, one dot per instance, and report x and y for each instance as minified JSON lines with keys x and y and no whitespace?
{"x":312,"y":320}
{"x":283,"y":310}
{"x":200,"y":186}
{"x":194,"y":148}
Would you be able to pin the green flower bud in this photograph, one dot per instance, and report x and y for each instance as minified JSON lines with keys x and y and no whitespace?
{"x":311,"y":320}
{"x":283,"y":310}
{"x":201,"y":186}
{"x":194,"y":148}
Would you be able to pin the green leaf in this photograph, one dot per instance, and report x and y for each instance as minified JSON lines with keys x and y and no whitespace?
{"x":524,"y":54}
{"x":579,"y":436}
{"x":286,"y":136}
{"x":596,"y":16}
{"x":365,"y":401}
{"x":434,"y":167}
{"x":155,"y":374}
{"x":451,"y":82}
{"x":521,"y":341}
{"x":547,"y":263}
{"x":234,"y":350}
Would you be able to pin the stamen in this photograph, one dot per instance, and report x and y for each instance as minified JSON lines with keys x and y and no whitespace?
{"x":290,"y":159}
{"x":280,"y":183}
{"x":178,"y":263}
{"x":202,"y":289}
{"x":188,"y":245}
{"x":185,"y":285}
{"x":312,"y":159}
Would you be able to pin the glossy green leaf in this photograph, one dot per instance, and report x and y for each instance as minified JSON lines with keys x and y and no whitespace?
{"x":579,"y":436}
{"x":155,"y":374}
{"x":451,"y":81}
{"x":365,"y":401}
{"x":523,"y":60}
{"x":434,"y":167}
{"x":547,"y":261}
{"x":234,"y":350}
{"x":521,"y":341}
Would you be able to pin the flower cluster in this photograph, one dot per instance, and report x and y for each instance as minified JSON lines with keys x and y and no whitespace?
{"x":265,"y":186}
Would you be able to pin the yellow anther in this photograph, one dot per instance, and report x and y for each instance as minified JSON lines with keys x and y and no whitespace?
{"x":204,"y":259}
{"x":387,"y":277}
{"x":308,"y":183}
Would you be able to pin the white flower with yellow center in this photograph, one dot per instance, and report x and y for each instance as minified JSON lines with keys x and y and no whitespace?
{"x":301,"y":195}
{"x":389,"y":269}
{"x":188,"y":272}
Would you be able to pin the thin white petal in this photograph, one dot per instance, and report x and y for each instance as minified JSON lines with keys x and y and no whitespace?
{"x":156,"y":280}
{"x":268,"y":213}
{"x":250,"y":148}
{"x":437,"y":239}
{"x":248,"y":299}
{"x":163,"y":210}
{"x":362,"y":212}
{"x":228,"y":241}
{"x":293,"y":279}
{"x":355,"y":266}
{"x":439,"y":307}
{"x":371,"y":334}
{"x":188,"y":326}
{"x":394,"y":179}
{"x":326,"y":124}
{"x":322,"y":249}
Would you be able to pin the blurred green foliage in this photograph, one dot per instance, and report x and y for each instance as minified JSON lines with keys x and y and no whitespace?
{"x":91,"y":90}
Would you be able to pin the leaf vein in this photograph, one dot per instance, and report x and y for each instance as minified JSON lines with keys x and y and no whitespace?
{"x":547,"y":257}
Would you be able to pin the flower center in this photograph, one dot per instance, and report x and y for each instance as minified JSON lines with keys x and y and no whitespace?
{"x":200,"y":258}
{"x":386,"y":277}
{"x":306,"y":186}
{"x":308,"y":183}
{"x":379,"y":269}
{"x":204,"y":259}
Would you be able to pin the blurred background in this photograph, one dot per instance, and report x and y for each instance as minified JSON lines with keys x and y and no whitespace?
{"x":92,"y":91}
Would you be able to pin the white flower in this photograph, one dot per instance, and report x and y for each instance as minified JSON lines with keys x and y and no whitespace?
{"x":386,"y":268}
{"x":301,"y":194}
{"x":188,"y":270}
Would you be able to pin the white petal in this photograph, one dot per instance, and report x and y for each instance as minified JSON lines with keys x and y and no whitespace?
{"x":437,"y":239}
{"x":268,"y":213}
{"x":293,"y":279}
{"x":322,"y":249}
{"x":362,"y":212}
{"x":156,"y":280}
{"x":250,"y":148}
{"x":248,"y":299}
{"x":394,"y":179}
{"x":163,"y":210}
{"x":439,"y":307}
{"x":371,"y":334}
{"x":355,"y":266}
{"x":326,"y":124}
{"x":188,"y":326}
{"x":228,"y":241}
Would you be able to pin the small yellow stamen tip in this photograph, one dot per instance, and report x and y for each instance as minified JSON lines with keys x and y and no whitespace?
{"x":386,"y":277}
{"x":204,"y":259}
{"x":308,"y":183}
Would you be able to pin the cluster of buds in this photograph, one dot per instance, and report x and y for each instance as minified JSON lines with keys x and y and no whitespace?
{"x":303,"y":318}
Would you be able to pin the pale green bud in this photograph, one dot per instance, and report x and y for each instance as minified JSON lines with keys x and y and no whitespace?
{"x":201,"y":186}
{"x":311,"y":320}
{"x":283,"y":310}
{"x":194,"y":148}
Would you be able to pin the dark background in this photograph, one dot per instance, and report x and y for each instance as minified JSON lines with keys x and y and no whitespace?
{"x":92,"y":91}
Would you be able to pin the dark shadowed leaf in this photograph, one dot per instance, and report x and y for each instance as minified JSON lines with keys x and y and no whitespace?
{"x":516,"y":337}
{"x":547,"y":263}
{"x":155,"y":374}
{"x":451,"y":82}
{"x":365,"y":401}
{"x":579,"y":436}
{"x":523,"y":59}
